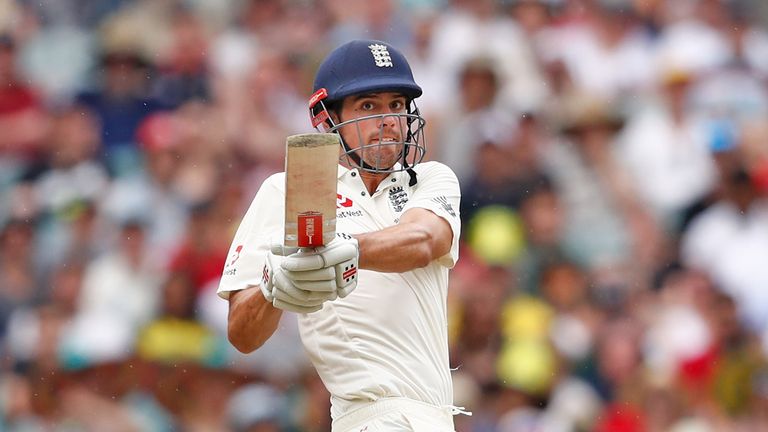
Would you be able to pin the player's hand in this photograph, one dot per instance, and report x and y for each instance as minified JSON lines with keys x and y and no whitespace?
{"x":271,"y":265}
{"x":284,"y":293}
{"x":331,"y":267}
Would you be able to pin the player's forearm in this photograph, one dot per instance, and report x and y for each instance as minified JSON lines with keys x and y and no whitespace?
{"x":396,"y":249}
{"x":252,"y":320}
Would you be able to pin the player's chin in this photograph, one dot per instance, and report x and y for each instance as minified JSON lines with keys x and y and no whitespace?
{"x":382,"y":157}
{"x":381,"y":163}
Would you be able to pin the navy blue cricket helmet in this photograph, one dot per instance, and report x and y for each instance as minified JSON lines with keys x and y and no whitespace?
{"x":363,"y":67}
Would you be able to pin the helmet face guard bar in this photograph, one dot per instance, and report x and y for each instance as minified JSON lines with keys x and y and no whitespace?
{"x":410,"y":148}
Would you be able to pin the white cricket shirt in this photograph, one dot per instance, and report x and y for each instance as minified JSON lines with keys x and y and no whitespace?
{"x":389,"y":337}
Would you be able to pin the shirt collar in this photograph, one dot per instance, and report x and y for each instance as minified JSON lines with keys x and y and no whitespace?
{"x":344,"y":170}
{"x":397,"y":178}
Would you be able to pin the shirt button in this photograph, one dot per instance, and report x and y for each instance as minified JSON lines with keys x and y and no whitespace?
{"x":394,"y":180}
{"x":354,"y":173}
{"x":362,"y":193}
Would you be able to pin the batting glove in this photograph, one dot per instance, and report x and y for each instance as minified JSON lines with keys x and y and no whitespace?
{"x":327,"y":267}
{"x":280,"y":290}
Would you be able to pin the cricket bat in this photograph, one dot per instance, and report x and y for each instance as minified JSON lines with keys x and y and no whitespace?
{"x":311,"y":171}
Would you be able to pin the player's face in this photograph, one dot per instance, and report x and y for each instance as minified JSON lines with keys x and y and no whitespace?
{"x":380,"y":138}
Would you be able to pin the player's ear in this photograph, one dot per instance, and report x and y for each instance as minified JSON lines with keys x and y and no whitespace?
{"x":335,"y":108}
{"x":335,"y":112}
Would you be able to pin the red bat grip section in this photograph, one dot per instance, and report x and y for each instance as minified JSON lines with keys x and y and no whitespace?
{"x":310,"y":232}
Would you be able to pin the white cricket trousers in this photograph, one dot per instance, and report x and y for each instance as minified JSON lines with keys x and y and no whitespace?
{"x":396,"y":415}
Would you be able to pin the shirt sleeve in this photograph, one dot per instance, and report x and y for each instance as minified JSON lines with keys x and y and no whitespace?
{"x":437,"y":190}
{"x":262,"y":224}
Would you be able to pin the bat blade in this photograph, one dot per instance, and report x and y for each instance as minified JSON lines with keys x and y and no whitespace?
{"x":311,"y":167}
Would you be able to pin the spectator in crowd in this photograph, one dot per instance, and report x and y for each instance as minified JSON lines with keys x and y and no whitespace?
{"x":727,"y":240}
{"x":590,"y":182}
{"x":184,"y":75}
{"x":33,"y":330}
{"x":176,"y":336}
{"x":605,"y":50}
{"x":471,"y":29}
{"x":666,"y":151}
{"x":120,"y":99}
{"x":123,"y":283}
{"x":154,"y":187}
{"x":19,"y":275}
{"x":477,"y":118}
{"x":22,"y":115}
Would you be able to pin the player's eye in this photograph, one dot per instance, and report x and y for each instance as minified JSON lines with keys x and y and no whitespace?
{"x":367,"y":106}
{"x":397,"y":105}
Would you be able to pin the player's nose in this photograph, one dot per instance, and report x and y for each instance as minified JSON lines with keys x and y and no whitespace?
{"x":388,"y":121}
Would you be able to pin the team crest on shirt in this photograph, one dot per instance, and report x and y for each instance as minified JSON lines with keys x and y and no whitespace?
{"x":398,"y":197}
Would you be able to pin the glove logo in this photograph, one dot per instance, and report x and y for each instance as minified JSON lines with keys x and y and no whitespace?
{"x":349,"y":273}
{"x":265,"y":275}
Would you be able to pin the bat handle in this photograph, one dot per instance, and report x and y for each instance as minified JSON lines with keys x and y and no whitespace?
{"x":305,"y":251}
{"x":310,"y":229}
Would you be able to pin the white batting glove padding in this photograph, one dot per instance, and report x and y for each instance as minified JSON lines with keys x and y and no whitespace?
{"x":288,"y":296}
{"x":271,"y":263}
{"x":279,"y":289}
{"x":329,"y":267}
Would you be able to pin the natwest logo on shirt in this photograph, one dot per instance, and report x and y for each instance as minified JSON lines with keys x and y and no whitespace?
{"x":342,"y":201}
{"x":229,"y":270}
{"x":344,"y":208}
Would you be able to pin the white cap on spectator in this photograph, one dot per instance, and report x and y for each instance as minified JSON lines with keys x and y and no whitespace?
{"x":95,"y":338}
{"x":253,"y":404}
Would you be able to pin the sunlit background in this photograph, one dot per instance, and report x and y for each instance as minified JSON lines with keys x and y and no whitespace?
{"x":613,"y":158}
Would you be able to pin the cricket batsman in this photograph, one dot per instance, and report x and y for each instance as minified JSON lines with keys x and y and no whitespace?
{"x":377,"y":338}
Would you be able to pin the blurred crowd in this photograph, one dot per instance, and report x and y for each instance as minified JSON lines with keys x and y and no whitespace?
{"x":613,"y":157}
